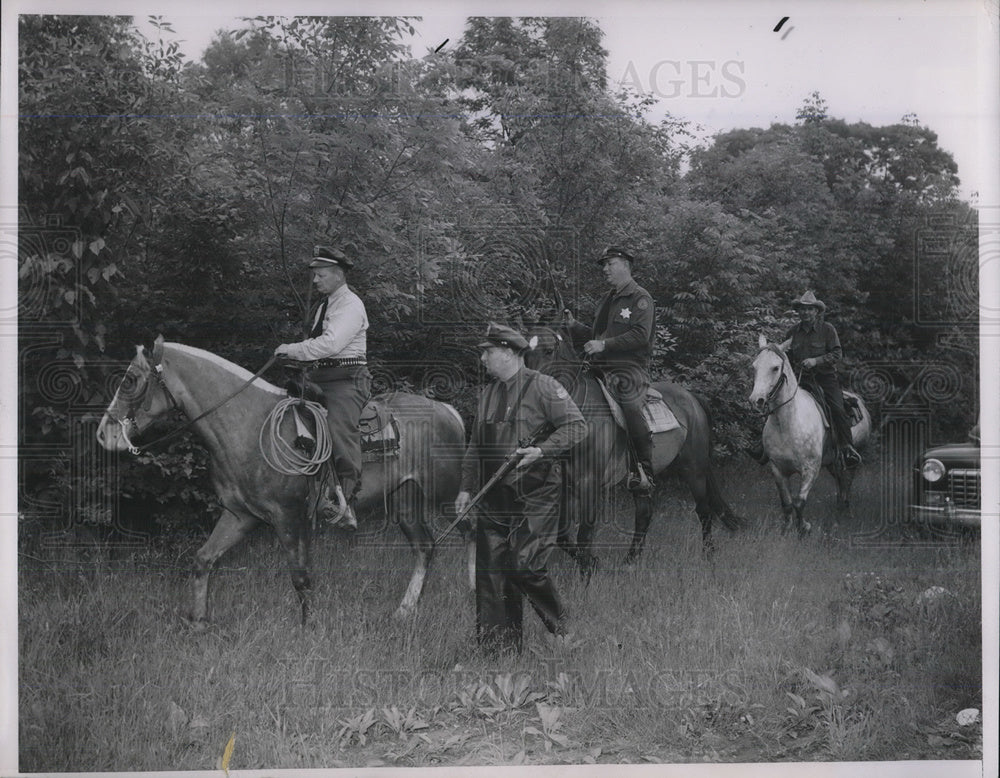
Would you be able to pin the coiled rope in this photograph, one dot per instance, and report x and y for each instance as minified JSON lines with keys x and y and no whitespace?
{"x":285,"y":457}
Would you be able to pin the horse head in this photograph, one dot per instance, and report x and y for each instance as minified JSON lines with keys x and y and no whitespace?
{"x":141,"y":398}
{"x":552,"y":353}
{"x":773,"y":377}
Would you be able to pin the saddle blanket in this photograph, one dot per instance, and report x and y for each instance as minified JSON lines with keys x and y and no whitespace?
{"x":659,"y":417}
{"x":379,"y":432}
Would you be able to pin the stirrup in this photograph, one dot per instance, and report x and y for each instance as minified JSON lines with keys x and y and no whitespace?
{"x":328,"y":512}
{"x":851,"y":456}
{"x":639,"y":481}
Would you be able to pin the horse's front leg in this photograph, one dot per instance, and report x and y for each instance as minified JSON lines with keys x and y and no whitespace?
{"x":293,"y":532}
{"x":586,"y":502}
{"x":785,"y":495}
{"x":809,"y":474}
{"x":229,"y":530}
{"x":643,"y":504}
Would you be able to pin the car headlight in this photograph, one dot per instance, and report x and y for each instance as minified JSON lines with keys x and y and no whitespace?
{"x":933,"y":470}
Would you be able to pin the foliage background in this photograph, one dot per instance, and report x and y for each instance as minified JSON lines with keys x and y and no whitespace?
{"x":164,"y":196}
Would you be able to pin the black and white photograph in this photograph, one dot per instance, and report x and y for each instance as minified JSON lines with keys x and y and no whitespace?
{"x":524,"y":388}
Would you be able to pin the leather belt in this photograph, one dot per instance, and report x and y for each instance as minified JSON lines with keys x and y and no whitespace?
{"x":346,"y":362}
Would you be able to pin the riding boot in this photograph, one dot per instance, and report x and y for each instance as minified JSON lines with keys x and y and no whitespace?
{"x":329,"y":510}
{"x":849,"y":456}
{"x":756,"y":451}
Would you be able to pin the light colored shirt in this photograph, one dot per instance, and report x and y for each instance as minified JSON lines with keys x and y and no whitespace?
{"x":343,"y":335}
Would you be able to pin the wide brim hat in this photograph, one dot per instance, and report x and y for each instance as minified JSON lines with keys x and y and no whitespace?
{"x":329,"y":256}
{"x":502,"y":335}
{"x":809,"y":300}
{"x":615,"y":251}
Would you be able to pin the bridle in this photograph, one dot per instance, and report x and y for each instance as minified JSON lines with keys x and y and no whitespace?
{"x":143,"y":399}
{"x":778,"y":385}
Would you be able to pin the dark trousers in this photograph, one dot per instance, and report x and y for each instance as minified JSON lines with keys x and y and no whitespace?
{"x":344,"y":397}
{"x":515,"y":534}
{"x":629,"y":385}
{"x":841,"y":425}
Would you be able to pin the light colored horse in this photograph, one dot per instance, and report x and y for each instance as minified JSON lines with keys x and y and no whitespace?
{"x":796,"y":439}
{"x":411,"y":487}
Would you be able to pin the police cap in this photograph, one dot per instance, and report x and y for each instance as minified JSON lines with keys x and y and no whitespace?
{"x":502,"y":335}
{"x":328,"y":256}
{"x":615,"y":251}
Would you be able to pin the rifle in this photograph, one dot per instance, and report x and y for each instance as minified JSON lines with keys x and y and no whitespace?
{"x":506,"y":466}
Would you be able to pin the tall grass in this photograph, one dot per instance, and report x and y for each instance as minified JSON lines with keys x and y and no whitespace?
{"x":777,"y":648}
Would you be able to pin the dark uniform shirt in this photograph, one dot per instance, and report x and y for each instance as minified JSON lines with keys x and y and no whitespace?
{"x":624,"y":321}
{"x":818,"y":341}
{"x":545,"y":400}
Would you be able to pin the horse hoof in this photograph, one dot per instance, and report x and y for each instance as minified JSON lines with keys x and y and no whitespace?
{"x":805,"y":529}
{"x":402,"y":614}
{"x":195,"y":625}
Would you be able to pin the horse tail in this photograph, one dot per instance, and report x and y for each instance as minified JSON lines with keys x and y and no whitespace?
{"x":716,"y":502}
{"x":730,"y":520}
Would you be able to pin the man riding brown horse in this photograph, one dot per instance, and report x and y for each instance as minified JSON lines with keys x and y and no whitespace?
{"x":620,"y":345}
{"x":337,"y":347}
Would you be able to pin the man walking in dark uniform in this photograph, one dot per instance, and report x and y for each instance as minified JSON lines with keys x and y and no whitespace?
{"x":519,"y":518}
{"x":620,"y":345}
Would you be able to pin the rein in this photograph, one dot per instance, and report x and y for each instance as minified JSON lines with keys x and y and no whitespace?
{"x":158,"y":372}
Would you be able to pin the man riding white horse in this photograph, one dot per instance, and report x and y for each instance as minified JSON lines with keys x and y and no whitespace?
{"x":813,"y":347}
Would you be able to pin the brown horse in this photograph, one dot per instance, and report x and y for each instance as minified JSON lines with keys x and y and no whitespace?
{"x":412,"y":486}
{"x":600,"y":461}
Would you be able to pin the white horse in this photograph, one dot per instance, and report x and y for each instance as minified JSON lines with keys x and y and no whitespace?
{"x":797,"y":439}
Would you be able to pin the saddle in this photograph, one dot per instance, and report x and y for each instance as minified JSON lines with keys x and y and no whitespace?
{"x":852,"y":405}
{"x":656,"y":412}
{"x":379,"y":428}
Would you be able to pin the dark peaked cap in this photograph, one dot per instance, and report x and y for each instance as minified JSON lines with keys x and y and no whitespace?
{"x":327,"y":256}
{"x":502,"y":335}
{"x":615,"y":251}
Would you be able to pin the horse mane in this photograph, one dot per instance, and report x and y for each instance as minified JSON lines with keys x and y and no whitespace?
{"x":776,"y":349}
{"x":230,"y":367}
{"x":564,"y":340}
